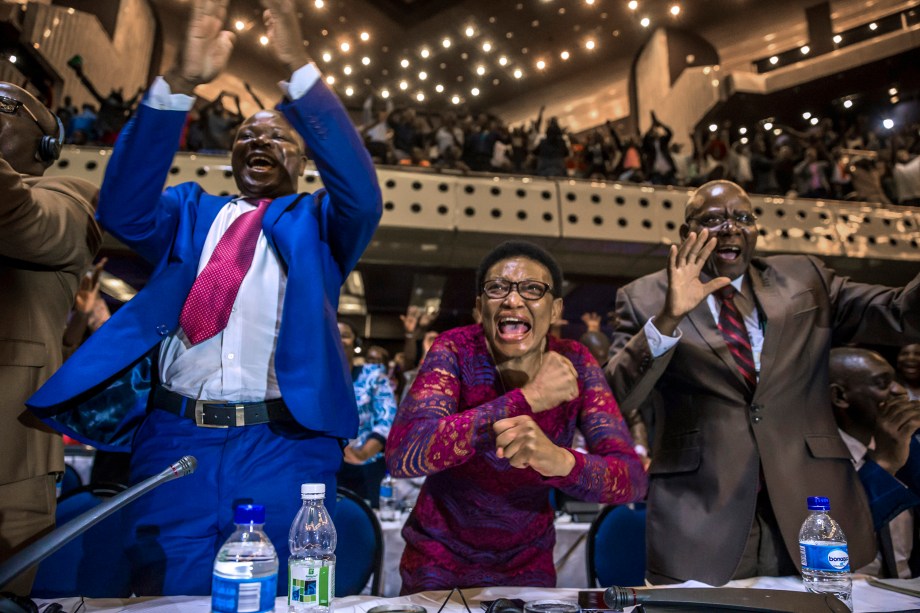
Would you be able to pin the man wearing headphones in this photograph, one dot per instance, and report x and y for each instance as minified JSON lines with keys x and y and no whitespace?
{"x":48,"y":238}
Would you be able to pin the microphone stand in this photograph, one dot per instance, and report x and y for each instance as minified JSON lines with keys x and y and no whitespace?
{"x":31,"y":555}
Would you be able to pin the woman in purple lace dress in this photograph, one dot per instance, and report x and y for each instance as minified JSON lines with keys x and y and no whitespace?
{"x":490,"y":421}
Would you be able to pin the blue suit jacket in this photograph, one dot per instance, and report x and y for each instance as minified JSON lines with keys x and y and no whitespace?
{"x":317,"y":237}
{"x":889,"y":494}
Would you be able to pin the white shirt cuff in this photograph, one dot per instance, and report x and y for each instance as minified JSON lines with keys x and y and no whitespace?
{"x":301,"y":81}
{"x":658,"y":343}
{"x":161,"y":98}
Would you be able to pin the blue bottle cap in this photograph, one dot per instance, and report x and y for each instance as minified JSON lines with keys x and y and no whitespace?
{"x":249,"y":514}
{"x":819,"y":503}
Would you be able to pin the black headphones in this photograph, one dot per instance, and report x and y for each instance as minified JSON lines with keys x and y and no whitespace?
{"x":49,"y":149}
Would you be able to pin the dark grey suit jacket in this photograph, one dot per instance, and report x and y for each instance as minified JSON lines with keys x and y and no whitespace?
{"x":710,"y":441}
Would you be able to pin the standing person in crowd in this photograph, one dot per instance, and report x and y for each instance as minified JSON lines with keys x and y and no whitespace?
{"x":364,"y":465}
{"x":908,"y":368}
{"x":490,"y":420}
{"x":877,"y":422}
{"x":48,"y":237}
{"x":552,"y":151}
{"x":219,"y":124}
{"x":745,"y":431}
{"x":238,"y":315}
{"x":656,"y":153}
{"x":906,"y":173}
{"x":114,"y":110}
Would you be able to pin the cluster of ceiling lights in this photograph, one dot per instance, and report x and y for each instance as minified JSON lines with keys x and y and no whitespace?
{"x":415,"y":79}
{"x":805,"y":49}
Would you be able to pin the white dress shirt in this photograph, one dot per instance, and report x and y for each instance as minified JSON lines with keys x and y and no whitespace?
{"x":744,"y":301}
{"x":237,"y":364}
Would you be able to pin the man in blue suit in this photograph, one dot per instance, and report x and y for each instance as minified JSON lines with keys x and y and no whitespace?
{"x":263,"y":399}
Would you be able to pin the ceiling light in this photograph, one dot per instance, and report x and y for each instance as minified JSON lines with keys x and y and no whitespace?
{"x":633,"y":5}
{"x":894,"y":100}
{"x":403,"y":85}
{"x":847,"y":104}
{"x":806,"y":115}
{"x":13,"y":59}
{"x":422,"y":75}
{"x":480,"y":70}
{"x":469,"y":31}
{"x":814,"y":121}
{"x":888,"y":123}
{"x":742,"y":130}
{"x":774,"y":60}
{"x":425,"y":53}
{"x":518,"y":73}
{"x":590,"y":44}
{"x":420,"y":97}
{"x":502,"y":61}
{"x":365,"y":36}
{"x":564,"y":55}
{"x":455,"y":99}
{"x":366,"y":61}
{"x":893,"y":91}
{"x":327,"y":57}
{"x":589,"y":2}
{"x":873,"y":26}
{"x":838,"y":39}
{"x":445,"y":43}
{"x":475,"y":91}
{"x":239,"y":25}
{"x":645,"y":22}
{"x":404,"y":63}
{"x":384,"y":93}
{"x":541,"y":64}
{"x":675,"y":9}
{"x":486,"y":47}
{"x":713,"y":127}
{"x":777,"y":131}
{"x":768,"y":126}
{"x":330,"y":79}
{"x":349,"y":91}
{"x":439,"y":88}
{"x":805,"y":49}
{"x":319,"y":4}
{"x":347,"y":70}
{"x":744,"y":140}
{"x":345,"y":47}
{"x":263,"y":40}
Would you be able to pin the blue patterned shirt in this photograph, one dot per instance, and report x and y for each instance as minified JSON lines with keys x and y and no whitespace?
{"x":376,"y":405}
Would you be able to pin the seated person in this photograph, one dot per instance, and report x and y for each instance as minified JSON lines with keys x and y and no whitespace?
{"x":877,"y":421}
{"x":908,"y":367}
{"x":364,"y":467}
{"x":490,"y":420}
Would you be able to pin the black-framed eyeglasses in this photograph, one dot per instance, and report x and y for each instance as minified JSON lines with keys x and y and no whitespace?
{"x":10,"y":106}
{"x":529,"y":289}
{"x":742,"y":219}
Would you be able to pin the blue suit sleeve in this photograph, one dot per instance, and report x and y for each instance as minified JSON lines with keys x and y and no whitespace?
{"x":890,"y":495}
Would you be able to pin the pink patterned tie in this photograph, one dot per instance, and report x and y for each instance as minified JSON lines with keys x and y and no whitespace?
{"x":207,"y":308}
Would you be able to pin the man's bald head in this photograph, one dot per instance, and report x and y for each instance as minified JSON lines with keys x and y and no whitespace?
{"x":23,"y":124}
{"x":847,"y":364}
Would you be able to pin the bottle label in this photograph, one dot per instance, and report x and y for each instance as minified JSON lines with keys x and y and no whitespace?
{"x":310,"y":583}
{"x":832,"y":557}
{"x":243,"y":595}
{"x":386,"y":491}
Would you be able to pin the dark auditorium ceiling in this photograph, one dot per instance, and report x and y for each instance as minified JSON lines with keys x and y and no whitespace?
{"x":494,"y":37}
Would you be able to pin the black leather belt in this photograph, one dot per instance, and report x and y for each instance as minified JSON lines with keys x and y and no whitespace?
{"x":218,"y":413}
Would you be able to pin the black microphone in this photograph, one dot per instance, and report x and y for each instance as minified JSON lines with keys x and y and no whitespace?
{"x":29,"y":556}
{"x":725,"y":598}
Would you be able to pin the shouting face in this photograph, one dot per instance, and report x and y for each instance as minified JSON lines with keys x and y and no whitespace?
{"x":267,"y":157}
{"x":725,"y":210}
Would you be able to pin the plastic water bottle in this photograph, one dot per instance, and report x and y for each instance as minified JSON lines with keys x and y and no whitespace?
{"x":825,"y":559}
{"x":311,"y":567}
{"x":389,"y":505}
{"x":245,"y":576}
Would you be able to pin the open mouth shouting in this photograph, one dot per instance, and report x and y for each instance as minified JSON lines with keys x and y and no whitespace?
{"x":728,"y":253}
{"x":512,"y":329}
{"x":260,"y":162}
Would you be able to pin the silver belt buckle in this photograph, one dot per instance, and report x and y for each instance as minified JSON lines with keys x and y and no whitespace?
{"x":199,"y":414}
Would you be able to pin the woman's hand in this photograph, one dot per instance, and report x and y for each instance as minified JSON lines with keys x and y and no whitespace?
{"x":556,"y":382}
{"x":521,"y":441}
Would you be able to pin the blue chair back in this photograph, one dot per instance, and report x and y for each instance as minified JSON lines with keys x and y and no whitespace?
{"x":94,"y":563}
{"x":616,"y":547}
{"x":359,"y":550}
{"x":71,"y":480}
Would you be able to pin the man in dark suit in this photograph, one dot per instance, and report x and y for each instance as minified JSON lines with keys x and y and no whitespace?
{"x":877,"y":421}
{"x":745,"y":431}
{"x":263,"y":362}
{"x":48,"y":238}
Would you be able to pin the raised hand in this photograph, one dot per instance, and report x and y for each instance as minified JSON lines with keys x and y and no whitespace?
{"x":556,"y":382}
{"x":410,"y":320}
{"x":521,"y":441}
{"x":592,"y":320}
{"x":895,"y":425}
{"x":207,"y":48}
{"x":685,"y":289}
{"x":283,"y":27}
{"x":88,"y":292}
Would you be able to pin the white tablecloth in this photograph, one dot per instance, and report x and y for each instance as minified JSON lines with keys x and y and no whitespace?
{"x":569,"y":554}
{"x":865,"y":597}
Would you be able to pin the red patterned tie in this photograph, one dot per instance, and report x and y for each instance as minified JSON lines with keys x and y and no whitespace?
{"x":207,"y":308}
{"x":731,"y":325}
